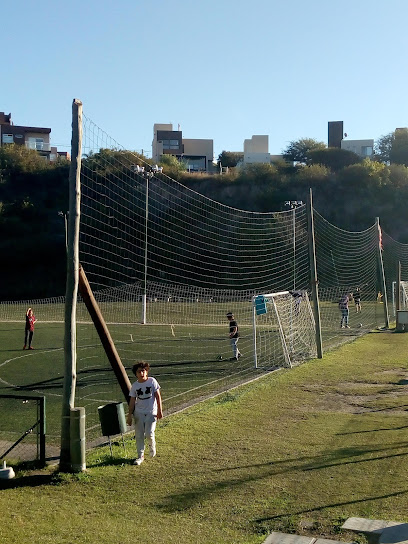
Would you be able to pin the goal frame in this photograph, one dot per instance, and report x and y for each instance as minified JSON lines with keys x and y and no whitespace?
{"x":272,"y":297}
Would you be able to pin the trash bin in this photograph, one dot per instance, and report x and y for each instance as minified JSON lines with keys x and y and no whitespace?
{"x":402,"y":320}
{"x":112,"y":418}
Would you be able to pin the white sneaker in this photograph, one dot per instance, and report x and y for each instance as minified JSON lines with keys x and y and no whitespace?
{"x":152,"y":451}
{"x":139,"y":460}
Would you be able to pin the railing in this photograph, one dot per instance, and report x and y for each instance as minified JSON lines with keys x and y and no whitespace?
{"x":22,"y":430}
{"x":38,"y":146}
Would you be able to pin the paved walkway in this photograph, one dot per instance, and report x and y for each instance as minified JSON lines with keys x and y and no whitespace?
{"x":284,"y":538}
{"x":378,"y":530}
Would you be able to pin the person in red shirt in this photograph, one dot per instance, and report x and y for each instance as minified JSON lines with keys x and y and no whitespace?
{"x":29,"y":328}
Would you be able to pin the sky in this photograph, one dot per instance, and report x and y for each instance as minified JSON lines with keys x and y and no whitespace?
{"x":221,"y":69}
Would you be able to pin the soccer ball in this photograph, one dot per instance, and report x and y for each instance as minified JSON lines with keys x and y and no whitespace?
{"x":220,"y":357}
{"x":360,"y":325}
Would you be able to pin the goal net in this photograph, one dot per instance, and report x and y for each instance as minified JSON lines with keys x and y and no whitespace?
{"x":283,"y":329}
{"x":404,"y":295}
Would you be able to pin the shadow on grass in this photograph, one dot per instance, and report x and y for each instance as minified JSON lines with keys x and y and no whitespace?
{"x":35,"y":480}
{"x":266,"y":524}
{"x":343,"y":456}
{"x":108,"y":461}
{"x":375,"y":430}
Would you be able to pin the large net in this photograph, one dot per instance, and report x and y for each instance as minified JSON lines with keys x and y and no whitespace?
{"x":347,"y":265}
{"x":166,"y":264}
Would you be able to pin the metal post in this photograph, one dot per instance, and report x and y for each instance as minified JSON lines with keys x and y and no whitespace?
{"x":144,"y":296}
{"x":282,"y":336}
{"x":382,"y":275}
{"x":42,"y":430}
{"x":254,"y":331}
{"x":313,"y":277}
{"x":294,"y":249}
{"x":398,"y":287}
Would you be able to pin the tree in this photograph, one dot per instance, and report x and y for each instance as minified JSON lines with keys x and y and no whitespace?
{"x":393,"y":147}
{"x":313,"y":175}
{"x":367,"y":175}
{"x":298,"y":150}
{"x":399,"y":148}
{"x":333,"y":157}
{"x":383,"y":146}
{"x":230,"y":158}
{"x":173,"y":167}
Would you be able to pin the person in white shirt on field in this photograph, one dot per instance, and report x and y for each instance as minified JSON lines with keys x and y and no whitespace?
{"x":145,"y":407}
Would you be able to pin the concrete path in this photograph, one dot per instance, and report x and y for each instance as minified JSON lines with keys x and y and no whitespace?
{"x":284,"y":538}
{"x":379,"y":531}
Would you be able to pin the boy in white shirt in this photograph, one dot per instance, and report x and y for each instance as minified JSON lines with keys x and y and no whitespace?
{"x":145,"y":406}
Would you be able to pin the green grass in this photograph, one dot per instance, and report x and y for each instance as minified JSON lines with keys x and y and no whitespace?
{"x":185,"y":360}
{"x":292,"y":452}
{"x":185,"y":355}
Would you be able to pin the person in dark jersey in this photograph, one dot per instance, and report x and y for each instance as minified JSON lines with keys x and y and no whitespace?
{"x":233,"y":335}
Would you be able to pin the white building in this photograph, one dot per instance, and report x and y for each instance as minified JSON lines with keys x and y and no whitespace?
{"x":256,"y":150}
{"x":362,"y":148}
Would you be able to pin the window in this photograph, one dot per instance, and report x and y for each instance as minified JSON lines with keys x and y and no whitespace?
{"x":39,"y":144}
{"x":367,"y":150}
{"x":35,"y":143}
{"x":8,"y":139}
{"x":171,"y":144}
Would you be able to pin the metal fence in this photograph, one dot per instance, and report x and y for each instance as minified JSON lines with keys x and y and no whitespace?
{"x":22,"y":428}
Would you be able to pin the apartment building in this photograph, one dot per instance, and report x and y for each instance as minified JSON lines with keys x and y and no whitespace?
{"x":337,"y":138}
{"x":198,"y":154}
{"x":37,"y":138}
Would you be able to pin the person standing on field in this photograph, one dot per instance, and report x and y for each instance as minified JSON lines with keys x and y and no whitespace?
{"x":29,"y":328}
{"x":357,"y":299}
{"x":145,"y":407}
{"x":344,"y":309}
{"x":233,"y":335}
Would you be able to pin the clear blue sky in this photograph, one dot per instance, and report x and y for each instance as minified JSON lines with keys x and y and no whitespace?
{"x":222,"y":69}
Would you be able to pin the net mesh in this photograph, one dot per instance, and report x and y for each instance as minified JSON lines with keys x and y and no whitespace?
{"x":157,"y":252}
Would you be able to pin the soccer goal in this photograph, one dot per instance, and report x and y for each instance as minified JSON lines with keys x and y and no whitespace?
{"x":283,"y":329}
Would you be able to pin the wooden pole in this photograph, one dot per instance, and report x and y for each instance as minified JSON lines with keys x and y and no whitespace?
{"x":313,"y":277}
{"x":104,"y":335}
{"x":382,"y":275}
{"x":71,"y":293}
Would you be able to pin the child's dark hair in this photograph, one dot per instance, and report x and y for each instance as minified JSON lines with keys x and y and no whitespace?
{"x":141,"y":364}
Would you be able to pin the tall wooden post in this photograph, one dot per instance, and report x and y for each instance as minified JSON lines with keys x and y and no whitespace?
{"x":313,"y":277}
{"x":382,"y":275}
{"x":71,"y":293}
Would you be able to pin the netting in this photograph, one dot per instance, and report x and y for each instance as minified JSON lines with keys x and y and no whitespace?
{"x":404,"y":295}
{"x":137,"y":225}
{"x":393,"y":253}
{"x":284,"y":330}
{"x":158,"y":253}
{"x":347,"y":261}
{"x":166,"y":264}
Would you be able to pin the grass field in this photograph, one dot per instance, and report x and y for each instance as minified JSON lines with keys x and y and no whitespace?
{"x":297,"y":451}
{"x":188,"y":367}
{"x":191,"y":359}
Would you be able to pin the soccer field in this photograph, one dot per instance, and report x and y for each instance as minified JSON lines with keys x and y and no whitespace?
{"x":189,"y":363}
{"x":189,"y":356}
